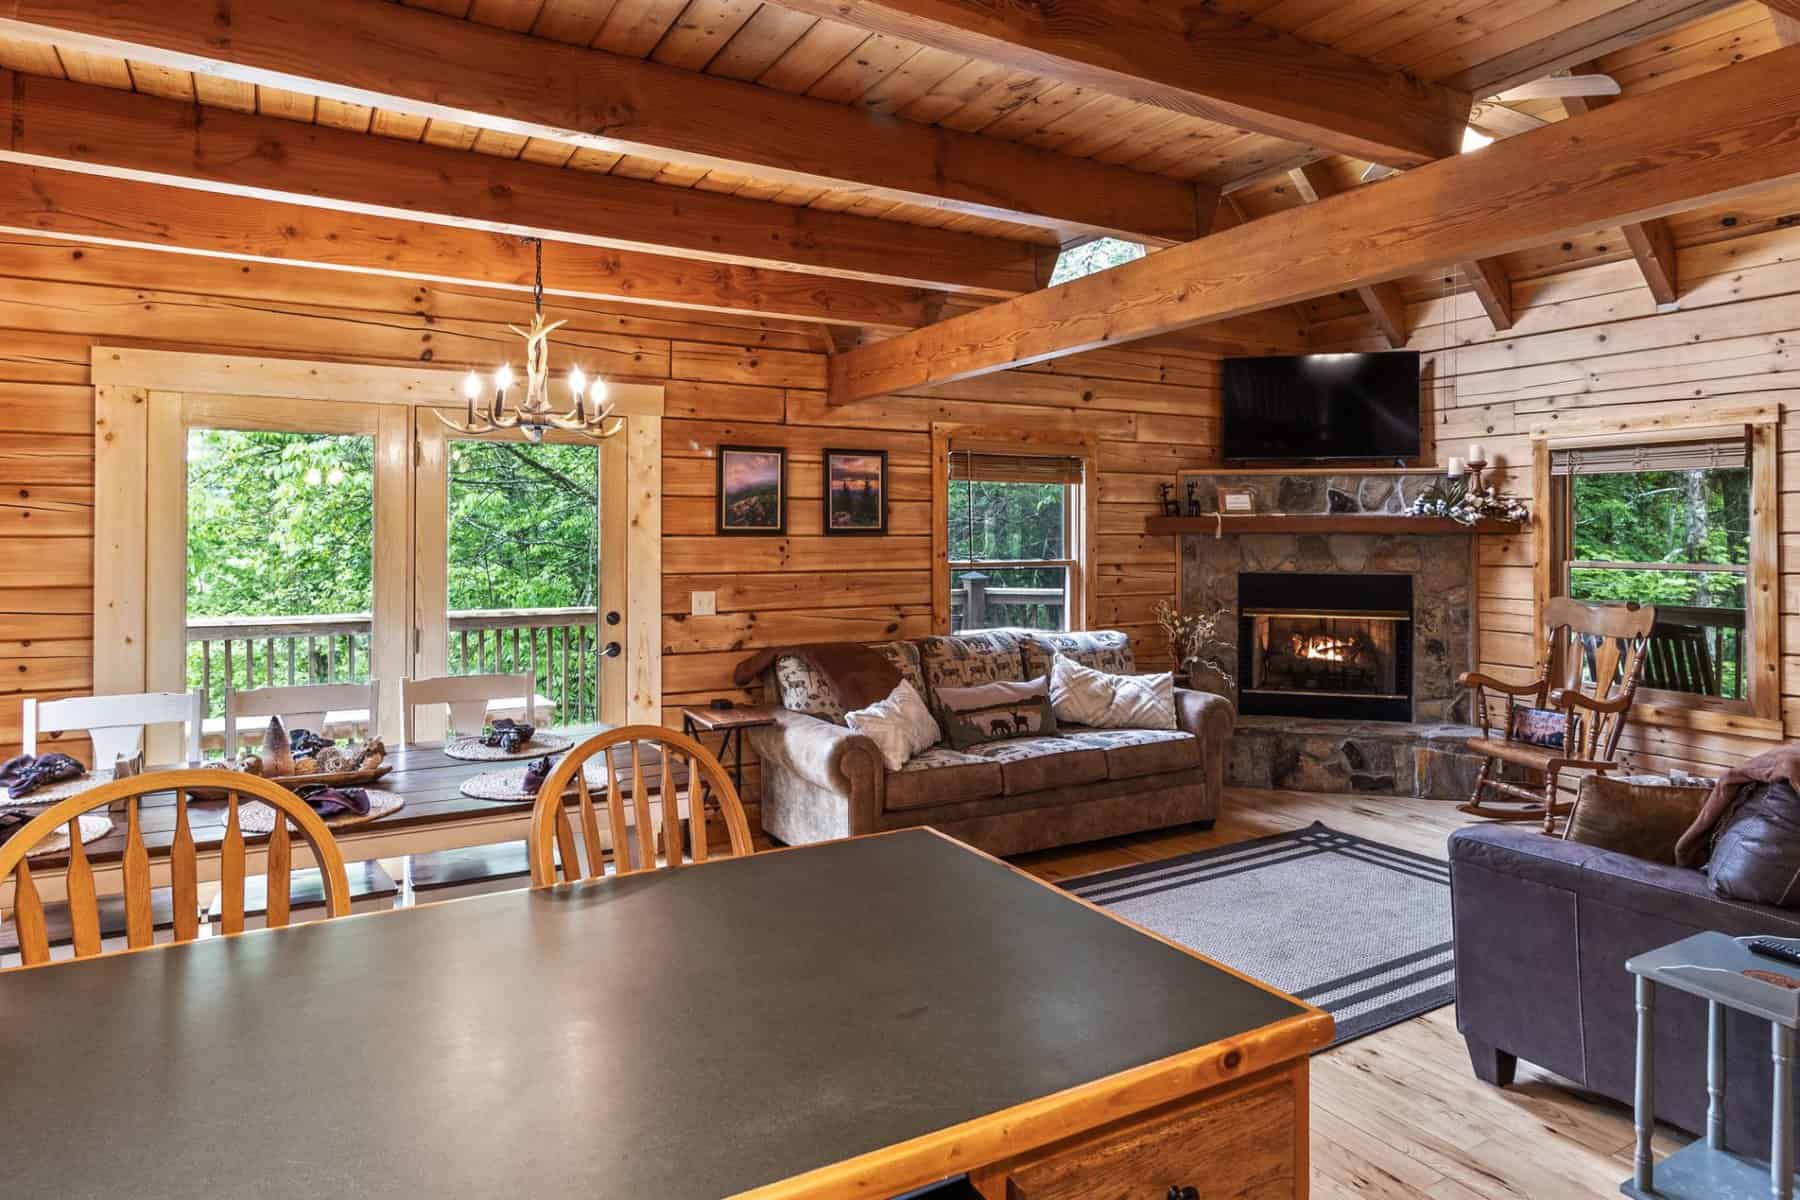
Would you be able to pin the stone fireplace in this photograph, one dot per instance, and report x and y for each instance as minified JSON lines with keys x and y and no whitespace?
{"x":1347,"y":644}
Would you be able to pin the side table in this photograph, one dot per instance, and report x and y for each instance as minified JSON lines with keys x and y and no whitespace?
{"x":1714,"y":967}
{"x":730,"y":724}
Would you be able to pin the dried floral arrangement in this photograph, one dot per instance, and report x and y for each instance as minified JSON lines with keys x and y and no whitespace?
{"x":1467,"y":505}
{"x":1196,"y":639}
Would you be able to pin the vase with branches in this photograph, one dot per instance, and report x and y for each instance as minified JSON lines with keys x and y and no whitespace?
{"x":1197,"y":642}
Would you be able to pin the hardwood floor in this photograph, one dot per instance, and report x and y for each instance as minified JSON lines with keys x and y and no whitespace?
{"x":1399,"y":1113}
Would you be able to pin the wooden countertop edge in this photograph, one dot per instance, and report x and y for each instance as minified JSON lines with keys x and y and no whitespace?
{"x":1040,"y":1122}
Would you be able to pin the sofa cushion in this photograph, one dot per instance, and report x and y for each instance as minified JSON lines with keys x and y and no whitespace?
{"x":992,"y":712}
{"x":1756,"y":849}
{"x":1102,"y":649}
{"x":1035,"y":764}
{"x":1643,"y":820}
{"x":1131,"y":753}
{"x":803,"y":688}
{"x":966,"y":659}
{"x":941,"y":775}
{"x":900,"y":726}
{"x":1089,"y":696}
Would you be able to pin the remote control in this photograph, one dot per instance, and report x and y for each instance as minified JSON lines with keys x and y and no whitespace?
{"x":1769,"y":948}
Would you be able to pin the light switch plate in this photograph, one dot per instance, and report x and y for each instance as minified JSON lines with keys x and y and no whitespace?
{"x":704,"y":604}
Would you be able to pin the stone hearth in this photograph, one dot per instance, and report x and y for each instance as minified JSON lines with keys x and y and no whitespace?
{"x":1384,"y":758}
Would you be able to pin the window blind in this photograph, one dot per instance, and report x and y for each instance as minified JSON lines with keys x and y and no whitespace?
{"x":1655,"y":456}
{"x":1014,"y":468}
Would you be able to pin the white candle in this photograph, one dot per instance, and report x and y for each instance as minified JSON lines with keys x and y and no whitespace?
{"x":1456,"y":468}
{"x":1477,"y":453}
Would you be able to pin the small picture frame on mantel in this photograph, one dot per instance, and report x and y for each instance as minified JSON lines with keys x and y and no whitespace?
{"x":1236,"y":501}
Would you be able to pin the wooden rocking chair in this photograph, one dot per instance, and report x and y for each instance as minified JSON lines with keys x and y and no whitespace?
{"x":1609,"y":641}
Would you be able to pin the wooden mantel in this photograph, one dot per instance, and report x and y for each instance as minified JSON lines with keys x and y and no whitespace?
{"x":1211,"y":523}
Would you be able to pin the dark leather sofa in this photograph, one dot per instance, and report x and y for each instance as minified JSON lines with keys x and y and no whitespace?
{"x":1543,"y":928}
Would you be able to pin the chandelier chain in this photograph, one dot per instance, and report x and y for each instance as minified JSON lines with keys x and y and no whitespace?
{"x":537,"y":279}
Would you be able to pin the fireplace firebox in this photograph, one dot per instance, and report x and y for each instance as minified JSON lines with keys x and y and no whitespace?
{"x":1325,"y":646}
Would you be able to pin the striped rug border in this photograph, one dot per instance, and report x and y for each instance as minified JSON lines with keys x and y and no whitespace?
{"x":1201,"y":866}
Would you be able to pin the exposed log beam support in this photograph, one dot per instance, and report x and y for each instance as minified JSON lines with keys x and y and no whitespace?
{"x":110,"y":132}
{"x":41,"y":202}
{"x":1690,"y":144}
{"x":1489,"y":281}
{"x":1564,"y":46}
{"x":1230,"y":199}
{"x":1652,"y":242}
{"x":1188,"y":58}
{"x":413,"y":61}
{"x":1383,"y":300}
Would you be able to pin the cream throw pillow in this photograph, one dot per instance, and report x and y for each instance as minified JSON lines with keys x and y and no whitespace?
{"x":1083,"y":696}
{"x":900,"y":726}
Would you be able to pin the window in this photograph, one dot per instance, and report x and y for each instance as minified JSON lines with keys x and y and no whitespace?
{"x":1090,"y":257}
{"x":1673,"y":523}
{"x":1014,"y":537}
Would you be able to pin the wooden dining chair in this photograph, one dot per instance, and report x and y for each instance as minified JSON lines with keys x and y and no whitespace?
{"x":303,"y":706}
{"x":619,"y":750}
{"x":467,"y":697}
{"x":115,"y":724}
{"x":84,"y":912}
{"x":1594,"y":656}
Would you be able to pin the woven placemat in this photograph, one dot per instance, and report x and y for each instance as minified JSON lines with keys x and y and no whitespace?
{"x":50,"y":793}
{"x":94,"y":826}
{"x":470,"y":749}
{"x":256,"y":817}
{"x":509,"y":785}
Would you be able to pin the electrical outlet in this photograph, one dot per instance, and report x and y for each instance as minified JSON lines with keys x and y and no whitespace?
{"x":704,"y":604}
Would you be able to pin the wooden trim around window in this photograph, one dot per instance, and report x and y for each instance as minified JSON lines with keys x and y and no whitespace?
{"x":1083,"y":515}
{"x":1759,"y":714}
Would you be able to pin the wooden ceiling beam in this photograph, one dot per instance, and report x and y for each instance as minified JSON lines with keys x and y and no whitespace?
{"x":1488,"y":280}
{"x":1786,"y":15}
{"x":1626,"y":25}
{"x":409,"y":60}
{"x":40,"y":202}
{"x":1652,"y":242}
{"x":1384,"y":302}
{"x":106,"y":131}
{"x":1690,"y":144}
{"x":1192,"y":60}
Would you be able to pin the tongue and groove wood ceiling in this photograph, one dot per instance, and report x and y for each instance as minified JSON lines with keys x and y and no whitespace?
{"x":1478,"y":46}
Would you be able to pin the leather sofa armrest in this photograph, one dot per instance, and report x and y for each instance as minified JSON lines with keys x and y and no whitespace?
{"x":1209,"y":717}
{"x":828,"y":759}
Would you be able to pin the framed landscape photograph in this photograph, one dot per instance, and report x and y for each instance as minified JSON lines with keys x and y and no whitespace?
{"x":855,"y":492}
{"x":753,"y":490}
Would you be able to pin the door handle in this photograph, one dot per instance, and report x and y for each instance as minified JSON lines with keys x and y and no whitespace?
{"x":612,"y":650}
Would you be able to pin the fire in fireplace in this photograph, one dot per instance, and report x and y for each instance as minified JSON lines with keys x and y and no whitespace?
{"x":1297,"y":657}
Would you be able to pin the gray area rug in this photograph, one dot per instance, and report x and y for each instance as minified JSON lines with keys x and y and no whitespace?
{"x":1359,"y":929}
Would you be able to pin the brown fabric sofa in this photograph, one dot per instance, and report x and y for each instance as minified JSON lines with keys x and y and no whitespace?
{"x":821,"y":780}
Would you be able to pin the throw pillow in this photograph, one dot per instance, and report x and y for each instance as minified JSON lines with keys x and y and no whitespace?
{"x":900,"y":726}
{"x":1083,"y":696}
{"x":1540,"y":726}
{"x":1641,"y":819}
{"x":992,"y":712}
{"x":1756,"y":852}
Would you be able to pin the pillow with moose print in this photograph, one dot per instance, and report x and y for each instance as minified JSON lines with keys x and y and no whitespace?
{"x":993,"y":712}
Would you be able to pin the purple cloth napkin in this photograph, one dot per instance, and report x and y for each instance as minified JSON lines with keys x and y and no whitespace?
{"x":23,"y":775}
{"x":336,"y":801}
{"x":537,"y":772}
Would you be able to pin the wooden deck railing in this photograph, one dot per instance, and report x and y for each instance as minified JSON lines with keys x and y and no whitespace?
{"x":1699,"y":650}
{"x":973,"y":605}
{"x":558,"y":646}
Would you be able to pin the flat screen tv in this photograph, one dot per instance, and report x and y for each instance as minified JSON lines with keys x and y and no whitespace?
{"x":1321,"y":406}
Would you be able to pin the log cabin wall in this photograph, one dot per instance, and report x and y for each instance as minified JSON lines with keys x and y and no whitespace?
{"x":1591,"y":343}
{"x":728,"y":380}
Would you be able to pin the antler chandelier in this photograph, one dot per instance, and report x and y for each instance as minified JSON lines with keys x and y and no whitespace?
{"x":590,"y":412}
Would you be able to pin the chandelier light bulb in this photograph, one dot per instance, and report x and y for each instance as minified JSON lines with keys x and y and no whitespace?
{"x":577,"y":381}
{"x":503,"y":377}
{"x":597,"y":394}
{"x":472,"y":385}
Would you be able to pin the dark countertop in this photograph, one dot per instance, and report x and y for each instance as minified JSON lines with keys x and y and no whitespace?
{"x":686,"y":1033}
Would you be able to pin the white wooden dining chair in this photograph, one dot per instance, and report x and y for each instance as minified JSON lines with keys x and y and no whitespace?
{"x":468,"y":697}
{"x":303,"y":706}
{"x":115,"y":724}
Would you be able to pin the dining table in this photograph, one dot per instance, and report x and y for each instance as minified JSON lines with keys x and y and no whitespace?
{"x":435,"y":815}
{"x":856,"y":1018}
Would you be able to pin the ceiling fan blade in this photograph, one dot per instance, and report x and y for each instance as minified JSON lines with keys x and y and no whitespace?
{"x":1552,"y":87}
